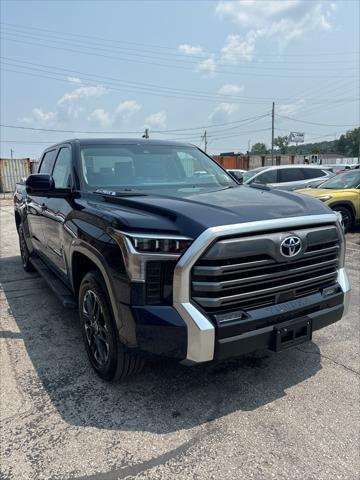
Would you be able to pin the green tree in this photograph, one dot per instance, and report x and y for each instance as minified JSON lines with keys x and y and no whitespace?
{"x":348,"y":144}
{"x":259,"y":149}
{"x":282,"y":143}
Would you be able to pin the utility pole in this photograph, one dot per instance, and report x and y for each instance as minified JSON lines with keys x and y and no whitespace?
{"x":249,"y":145}
{"x":272,"y":132}
{"x":146,"y":133}
{"x":204,"y":137}
{"x":11,"y":153}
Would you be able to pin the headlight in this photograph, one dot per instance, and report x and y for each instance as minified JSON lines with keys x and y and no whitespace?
{"x":140,"y":248}
{"x":155,"y":244}
{"x":325,"y":198}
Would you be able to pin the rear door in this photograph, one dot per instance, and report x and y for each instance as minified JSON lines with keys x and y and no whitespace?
{"x":36,"y":204}
{"x":57,"y":208}
{"x":314,"y":176}
{"x":291,"y":178}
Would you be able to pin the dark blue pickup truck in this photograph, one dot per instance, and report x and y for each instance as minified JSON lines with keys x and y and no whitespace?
{"x":165,"y":254}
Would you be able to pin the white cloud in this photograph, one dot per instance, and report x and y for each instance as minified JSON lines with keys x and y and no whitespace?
{"x":237,"y":50}
{"x":283,"y":20}
{"x":77,"y":102}
{"x":39,"y":116}
{"x":223,"y":111}
{"x":190,"y":49}
{"x":123,"y":112}
{"x":127,"y":108}
{"x":230,"y":89}
{"x":74,"y":80}
{"x":156,"y":120}
{"x":207,"y":67}
{"x":80,"y":93}
{"x":291,"y":108}
{"x":100,"y":117}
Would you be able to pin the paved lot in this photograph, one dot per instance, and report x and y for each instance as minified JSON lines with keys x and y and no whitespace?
{"x":293,"y":415}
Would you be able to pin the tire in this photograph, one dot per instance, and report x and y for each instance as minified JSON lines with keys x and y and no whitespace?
{"x":347,"y":217}
{"x":24,"y":252}
{"x":106,"y":354}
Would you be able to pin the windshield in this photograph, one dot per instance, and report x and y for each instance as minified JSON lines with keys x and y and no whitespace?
{"x":343,"y":180}
{"x":250,"y":174}
{"x":170,"y":169}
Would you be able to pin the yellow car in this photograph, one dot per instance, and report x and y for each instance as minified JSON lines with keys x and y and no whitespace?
{"x":341,"y":193}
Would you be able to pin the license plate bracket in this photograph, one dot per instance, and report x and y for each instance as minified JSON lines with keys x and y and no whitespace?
{"x":291,"y":333}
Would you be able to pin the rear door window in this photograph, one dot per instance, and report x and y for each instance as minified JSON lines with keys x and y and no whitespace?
{"x":313,"y":173}
{"x":47,"y":162}
{"x":290,"y":175}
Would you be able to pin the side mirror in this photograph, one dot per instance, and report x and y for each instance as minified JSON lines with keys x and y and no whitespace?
{"x":40,"y":183}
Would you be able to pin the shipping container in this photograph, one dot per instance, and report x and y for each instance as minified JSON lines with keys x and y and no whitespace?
{"x":13,"y":170}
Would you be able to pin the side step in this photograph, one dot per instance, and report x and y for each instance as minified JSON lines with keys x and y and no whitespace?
{"x":61,"y":291}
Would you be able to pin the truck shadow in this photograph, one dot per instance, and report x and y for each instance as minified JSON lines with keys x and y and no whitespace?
{"x":164,"y":398}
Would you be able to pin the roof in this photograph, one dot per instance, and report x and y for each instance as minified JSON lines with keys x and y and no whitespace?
{"x":121,"y":141}
{"x":297,"y":165}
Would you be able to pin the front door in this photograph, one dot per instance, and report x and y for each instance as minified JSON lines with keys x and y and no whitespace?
{"x":35,"y":205}
{"x":56,"y":209}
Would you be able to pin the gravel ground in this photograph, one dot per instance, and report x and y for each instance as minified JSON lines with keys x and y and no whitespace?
{"x":293,"y":415}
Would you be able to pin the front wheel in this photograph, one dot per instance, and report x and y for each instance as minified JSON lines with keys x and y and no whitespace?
{"x":106,"y":354}
{"x":346,"y":217}
{"x":24,"y":252}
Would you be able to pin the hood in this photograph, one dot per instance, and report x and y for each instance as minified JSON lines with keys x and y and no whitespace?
{"x":193,"y":214}
{"x":316,"y":192}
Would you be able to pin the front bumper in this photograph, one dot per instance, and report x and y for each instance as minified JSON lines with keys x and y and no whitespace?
{"x":203,"y":343}
{"x":264,"y":338}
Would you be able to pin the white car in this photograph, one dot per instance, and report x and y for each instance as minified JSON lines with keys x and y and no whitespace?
{"x":288,"y":177}
{"x":237,"y":173}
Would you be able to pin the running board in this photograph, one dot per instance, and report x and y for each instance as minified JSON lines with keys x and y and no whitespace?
{"x":61,"y":291}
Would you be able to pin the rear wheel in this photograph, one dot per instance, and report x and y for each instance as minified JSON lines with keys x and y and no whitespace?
{"x":346,"y":215}
{"x":24,"y":252}
{"x":106,"y":353}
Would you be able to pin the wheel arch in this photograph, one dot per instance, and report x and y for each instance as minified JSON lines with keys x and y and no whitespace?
{"x":83,"y":260}
{"x":344,"y":203}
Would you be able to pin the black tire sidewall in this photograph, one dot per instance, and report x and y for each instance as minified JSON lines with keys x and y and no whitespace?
{"x":24,"y":252}
{"x":93,"y":281}
{"x":347,"y":211}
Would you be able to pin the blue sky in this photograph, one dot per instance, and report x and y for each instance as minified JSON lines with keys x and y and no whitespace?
{"x":177,"y":67}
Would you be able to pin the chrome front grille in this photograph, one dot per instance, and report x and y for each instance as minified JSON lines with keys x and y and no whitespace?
{"x":249,"y":272}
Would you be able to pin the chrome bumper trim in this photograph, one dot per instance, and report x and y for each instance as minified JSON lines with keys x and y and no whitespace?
{"x":201,"y":332}
{"x":345,"y":285}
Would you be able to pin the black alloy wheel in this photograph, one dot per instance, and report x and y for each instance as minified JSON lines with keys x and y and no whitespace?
{"x":95,"y":328}
{"x":108,"y":356}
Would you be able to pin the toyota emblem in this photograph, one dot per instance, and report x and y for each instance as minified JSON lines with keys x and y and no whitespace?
{"x":290,"y":246}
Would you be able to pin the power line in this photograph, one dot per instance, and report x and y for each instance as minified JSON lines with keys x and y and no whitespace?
{"x":21,"y":127}
{"x":152,"y":63}
{"x":315,"y":123}
{"x":163,"y":47}
{"x":143,"y":53}
{"x":142,"y":85}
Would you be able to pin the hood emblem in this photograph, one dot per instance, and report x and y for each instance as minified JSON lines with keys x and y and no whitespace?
{"x":290,"y":246}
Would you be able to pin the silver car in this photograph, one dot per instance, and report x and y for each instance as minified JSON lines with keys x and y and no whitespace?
{"x":288,"y":177}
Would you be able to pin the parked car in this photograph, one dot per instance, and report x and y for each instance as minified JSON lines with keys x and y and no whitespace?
{"x":337,"y":168}
{"x":342,"y":194}
{"x":161,"y":261}
{"x":237,"y":173}
{"x":287,"y":177}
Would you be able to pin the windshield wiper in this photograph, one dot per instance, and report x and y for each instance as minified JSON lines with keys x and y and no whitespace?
{"x":126,"y":192}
